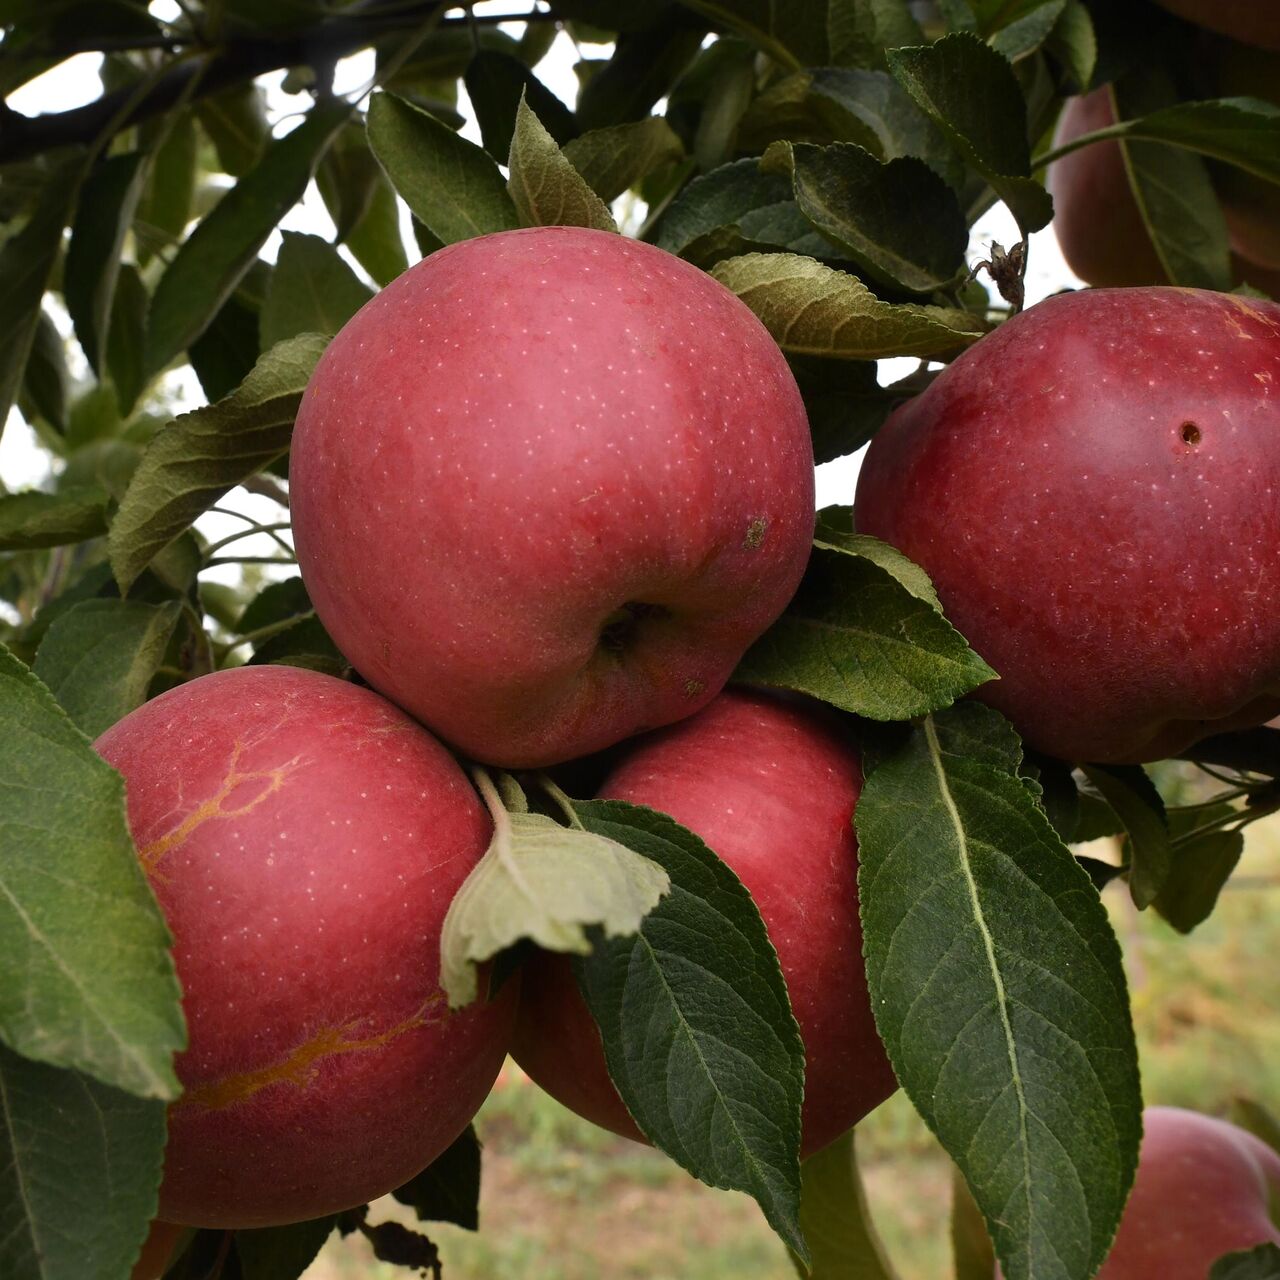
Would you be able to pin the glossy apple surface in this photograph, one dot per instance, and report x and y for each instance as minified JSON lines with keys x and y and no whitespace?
{"x":1095,"y":491}
{"x":547,"y":488}
{"x":304,"y":838}
{"x":771,"y":787}
{"x":1255,"y":22}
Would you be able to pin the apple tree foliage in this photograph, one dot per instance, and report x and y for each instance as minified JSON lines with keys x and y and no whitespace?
{"x":823,"y":159}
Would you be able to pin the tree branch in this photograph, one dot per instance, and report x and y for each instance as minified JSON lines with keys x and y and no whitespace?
{"x":238,"y":60}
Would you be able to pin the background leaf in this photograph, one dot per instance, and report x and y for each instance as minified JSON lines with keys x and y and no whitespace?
{"x":448,"y":1189}
{"x":193,"y":461}
{"x":79,"y":1173}
{"x":449,"y":184}
{"x":312,"y":290}
{"x":1028,"y":1075}
{"x":35,"y":519}
{"x":225,"y":245}
{"x":98,"y":658}
{"x":69,"y":876}
{"x":697,"y":1027}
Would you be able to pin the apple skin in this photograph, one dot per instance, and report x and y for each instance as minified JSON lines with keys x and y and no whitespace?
{"x":1099,"y":226}
{"x":1094,"y":489}
{"x":304,"y":839}
{"x":771,"y":786}
{"x":548,"y":486}
{"x":1202,"y":1191}
{"x":1255,"y":22}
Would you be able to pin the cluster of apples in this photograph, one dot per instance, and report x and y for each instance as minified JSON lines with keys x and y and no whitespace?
{"x":547,"y":488}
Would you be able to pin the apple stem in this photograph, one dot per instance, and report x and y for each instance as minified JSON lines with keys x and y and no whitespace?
{"x":562,"y":800}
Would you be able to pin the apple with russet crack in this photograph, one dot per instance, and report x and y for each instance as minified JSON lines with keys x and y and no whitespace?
{"x":304,"y":839}
{"x":1094,"y":489}
{"x":547,"y":487}
{"x":770,"y":785}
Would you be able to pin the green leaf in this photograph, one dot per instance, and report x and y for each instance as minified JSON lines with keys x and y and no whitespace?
{"x":900,"y":221}
{"x":277,"y":602}
{"x":347,"y":177}
{"x":1200,"y":864}
{"x":1258,"y":1120}
{"x":726,"y":212}
{"x":304,"y":643}
{"x":836,"y":1218}
{"x":26,"y":263}
{"x":449,"y":184}
{"x":698,"y":1032}
{"x":1172,"y":189}
{"x":545,"y":188}
{"x":98,"y":658}
{"x":79,"y":1173}
{"x":1259,"y":1263}
{"x":1025,"y":27}
{"x":1135,"y":801}
{"x":165,"y":208}
{"x":1074,"y":44}
{"x":312,"y":290}
{"x":107,"y":205}
{"x":792,"y":32}
{"x":859,"y":31}
{"x":236,"y":122}
{"x":126,"y":338}
{"x":69,"y":878}
{"x":835,"y":531}
{"x":199,"y":456}
{"x":448,"y":1189}
{"x":1244,"y":132}
{"x":812,"y":309}
{"x":646,"y":63}
{"x":972,"y":94}
{"x":856,"y":637}
{"x":496,"y":84}
{"x":998,"y":991}
{"x":545,"y":882}
{"x":33,"y":519}
{"x":225,"y":245}
{"x":227,"y":350}
{"x":281,"y":1253}
{"x":376,"y":242}
{"x":614,"y":159}
{"x":46,"y":379}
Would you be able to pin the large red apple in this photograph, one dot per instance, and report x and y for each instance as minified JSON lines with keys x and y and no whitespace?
{"x":547,"y":488}
{"x":1095,"y":490}
{"x":1254,"y":22}
{"x":304,"y":839}
{"x":771,"y":787}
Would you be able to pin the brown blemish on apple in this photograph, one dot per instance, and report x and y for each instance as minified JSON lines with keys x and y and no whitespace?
{"x":693,"y":688}
{"x":154,"y":852}
{"x":755,"y":533}
{"x":301,"y":1065}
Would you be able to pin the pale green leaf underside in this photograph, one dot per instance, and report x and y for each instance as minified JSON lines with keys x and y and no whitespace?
{"x":548,"y":883}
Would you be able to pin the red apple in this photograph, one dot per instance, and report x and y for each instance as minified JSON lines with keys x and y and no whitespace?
{"x":771,"y":787}
{"x":547,"y":488}
{"x":1095,"y":490}
{"x":304,"y":839}
{"x":1254,"y":22}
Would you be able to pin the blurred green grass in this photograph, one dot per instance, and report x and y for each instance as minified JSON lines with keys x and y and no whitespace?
{"x":563,"y":1200}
